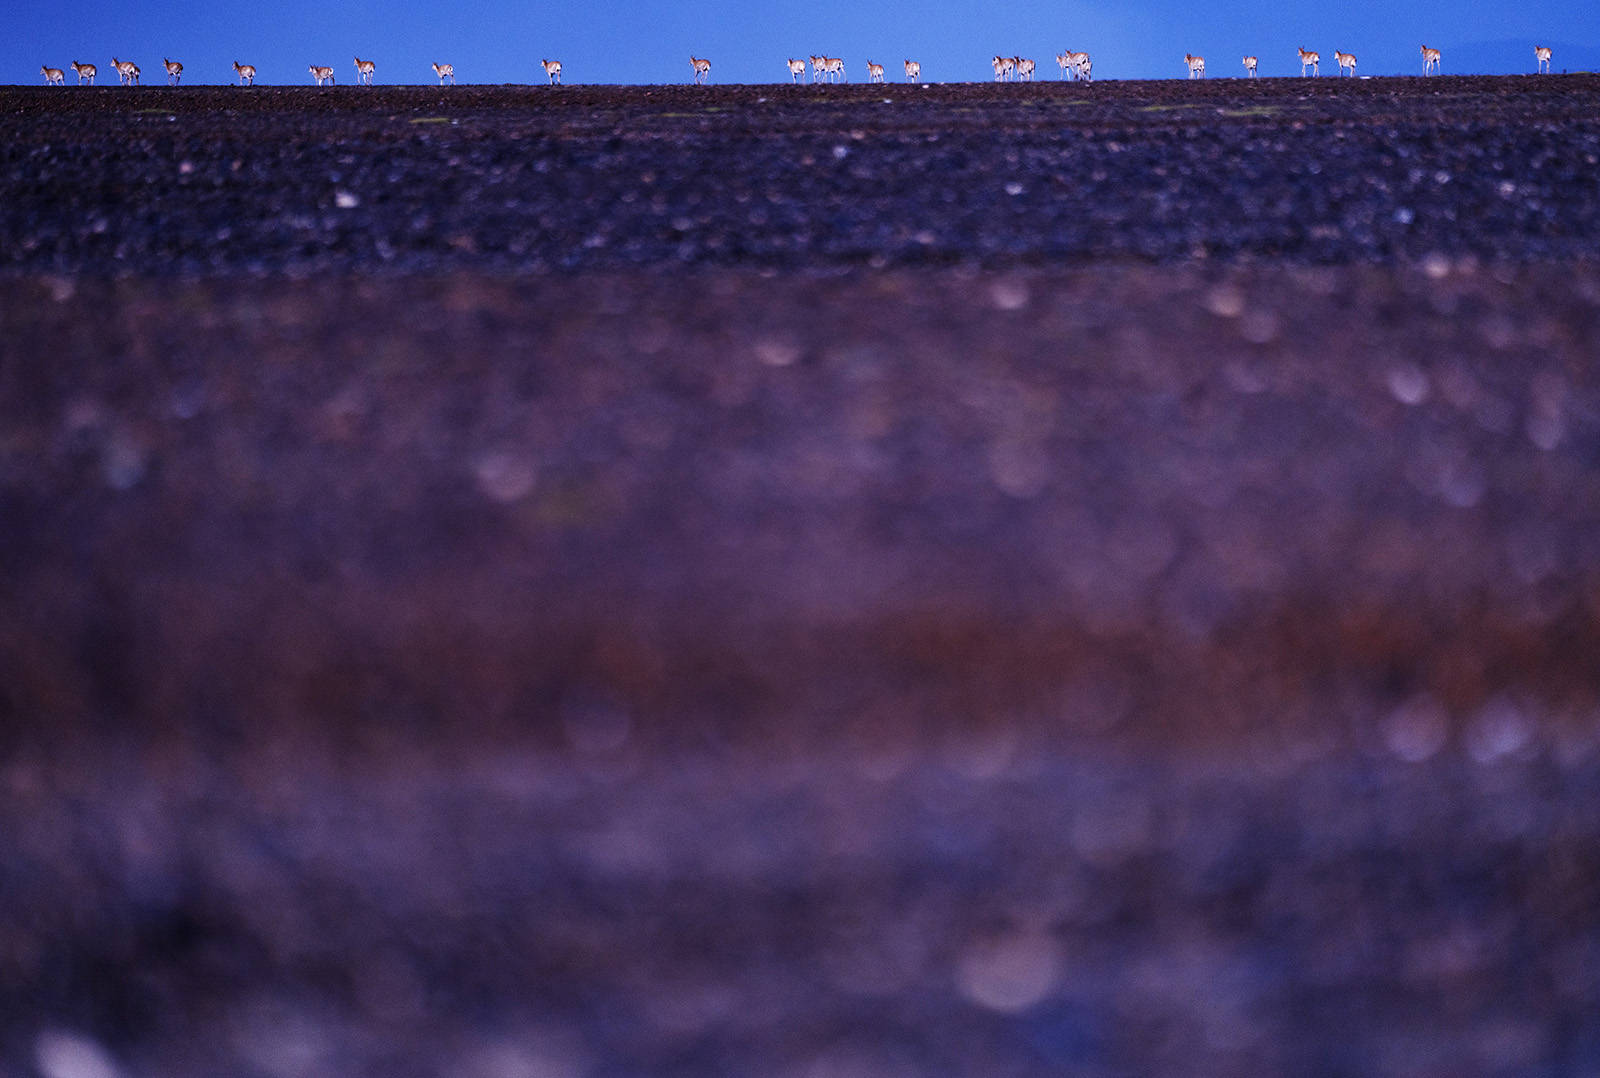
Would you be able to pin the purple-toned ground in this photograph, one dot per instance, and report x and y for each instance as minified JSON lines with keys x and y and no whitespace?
{"x":766,"y":580}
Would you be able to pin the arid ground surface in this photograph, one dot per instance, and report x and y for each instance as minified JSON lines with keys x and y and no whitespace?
{"x":826,"y":581}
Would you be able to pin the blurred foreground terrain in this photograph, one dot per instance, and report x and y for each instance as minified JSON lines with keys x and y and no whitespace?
{"x":840,"y":581}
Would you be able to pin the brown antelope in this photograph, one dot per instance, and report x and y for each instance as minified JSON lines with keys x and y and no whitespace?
{"x":174,"y":71}
{"x":1004,"y":67}
{"x":84,"y":71}
{"x":1086,"y":68}
{"x":1250,"y":67}
{"x":833,"y":67}
{"x":1024,"y":68}
{"x":321,"y":73}
{"x":1542,"y":54}
{"x":1312,"y":60}
{"x":445,"y":71}
{"x":797,"y":70}
{"x":702,"y":68}
{"x":817,"y":64}
{"x":1346,"y":62}
{"x":1197,"y":66}
{"x":874,"y":72}
{"x":913,"y":71}
{"x":364,"y":70}
{"x":246,"y":73}
{"x":53,"y":76}
{"x":1073,"y":64}
{"x":127,"y":71}
{"x":1430,"y":61}
{"x":552,"y":71}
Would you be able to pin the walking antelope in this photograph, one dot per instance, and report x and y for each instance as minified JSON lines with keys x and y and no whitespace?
{"x":1004,"y":67}
{"x":246,"y":73}
{"x":1073,"y":64}
{"x":1197,"y":66}
{"x":83,"y":71}
{"x":797,"y":70}
{"x":320,"y":73}
{"x":552,"y":71}
{"x":1430,"y":61}
{"x":1346,"y":62}
{"x":1542,"y":54}
{"x":174,"y":71}
{"x":913,"y":71}
{"x":364,"y":70}
{"x":1312,"y":60}
{"x":1024,"y":68}
{"x":702,"y":68}
{"x":1250,"y":67}
{"x":1086,"y":68}
{"x":817,"y":64}
{"x":127,"y":71}
{"x":874,"y":72}
{"x":833,"y":67}
{"x":445,"y":71}
{"x":53,"y":76}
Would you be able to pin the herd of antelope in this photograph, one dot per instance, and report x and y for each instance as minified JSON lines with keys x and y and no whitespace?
{"x":1074,"y":65}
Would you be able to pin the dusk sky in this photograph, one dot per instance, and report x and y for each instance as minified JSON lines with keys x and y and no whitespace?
{"x":649,"y":41}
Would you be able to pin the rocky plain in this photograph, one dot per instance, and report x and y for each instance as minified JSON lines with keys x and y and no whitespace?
{"x":792,"y":580}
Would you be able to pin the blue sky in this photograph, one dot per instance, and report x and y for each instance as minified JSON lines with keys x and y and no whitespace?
{"x":644,"y":41}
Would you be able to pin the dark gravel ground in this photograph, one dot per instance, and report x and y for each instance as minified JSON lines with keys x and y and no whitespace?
{"x":871,"y":621}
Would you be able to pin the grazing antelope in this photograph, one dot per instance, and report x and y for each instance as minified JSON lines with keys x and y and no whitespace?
{"x":364,"y":70}
{"x":174,"y":71}
{"x":1430,"y":61}
{"x":53,"y":76}
{"x":320,"y":73}
{"x":797,"y":70}
{"x":246,"y":73}
{"x":1250,"y":67}
{"x":913,"y":71}
{"x":702,"y":68}
{"x":84,"y":71}
{"x":1197,"y":66}
{"x":874,"y":72}
{"x":1542,"y":54}
{"x":1346,"y":62}
{"x":1004,"y":67}
{"x":445,"y":71}
{"x":1312,"y":60}
{"x":127,"y":71}
{"x":552,"y":71}
{"x":1024,"y":68}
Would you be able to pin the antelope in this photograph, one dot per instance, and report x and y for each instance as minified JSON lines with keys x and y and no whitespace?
{"x":364,"y":70}
{"x":552,"y":71}
{"x":797,"y":68}
{"x":1542,"y":54}
{"x":1024,"y":68}
{"x":83,"y":71}
{"x":445,"y":71}
{"x":834,"y":66}
{"x":53,"y":76}
{"x":1004,"y":67}
{"x":246,"y":73}
{"x":817,"y":64}
{"x":874,"y":72}
{"x":1197,"y":66}
{"x":174,"y":71}
{"x":320,"y":73}
{"x":1430,"y":61}
{"x":1312,"y":60}
{"x":1086,"y":68}
{"x":913,"y":71}
{"x":702,"y":68}
{"x":1072,"y":64}
{"x":1250,"y":67}
{"x":127,"y":71}
{"x":1346,"y":62}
